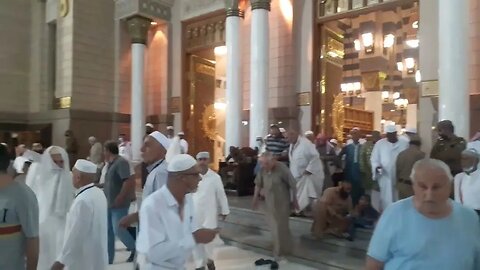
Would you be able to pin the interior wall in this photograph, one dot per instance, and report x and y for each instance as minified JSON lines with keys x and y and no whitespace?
{"x":15,"y":25}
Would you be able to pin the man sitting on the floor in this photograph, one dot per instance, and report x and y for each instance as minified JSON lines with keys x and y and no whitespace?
{"x":331,"y":211}
{"x":363,"y":216}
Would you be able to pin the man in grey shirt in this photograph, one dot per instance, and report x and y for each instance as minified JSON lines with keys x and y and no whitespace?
{"x":18,"y":221}
{"x":120,"y":190}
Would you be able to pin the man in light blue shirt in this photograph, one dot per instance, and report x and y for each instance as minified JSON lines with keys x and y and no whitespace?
{"x":426,"y":231}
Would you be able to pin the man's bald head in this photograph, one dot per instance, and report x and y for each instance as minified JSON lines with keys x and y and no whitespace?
{"x":432,"y":186}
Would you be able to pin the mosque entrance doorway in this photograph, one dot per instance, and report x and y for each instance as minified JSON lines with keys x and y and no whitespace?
{"x":203,"y":97}
{"x":366,"y":70}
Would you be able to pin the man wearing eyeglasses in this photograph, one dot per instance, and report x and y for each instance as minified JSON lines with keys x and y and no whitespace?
{"x":168,"y":229}
{"x":209,"y":202}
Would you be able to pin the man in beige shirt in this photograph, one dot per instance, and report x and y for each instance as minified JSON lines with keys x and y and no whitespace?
{"x":405,"y":161}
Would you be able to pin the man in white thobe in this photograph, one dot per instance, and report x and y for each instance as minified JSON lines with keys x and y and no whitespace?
{"x":96,"y":152}
{"x":183,"y":142}
{"x":52,"y":183}
{"x":153,"y":150}
{"x":209,"y":201}
{"x":124,"y":147}
{"x":306,"y":167}
{"x":168,"y":230}
{"x":383,"y":159}
{"x":85,"y":241}
{"x":467,"y":183}
{"x":18,"y":162}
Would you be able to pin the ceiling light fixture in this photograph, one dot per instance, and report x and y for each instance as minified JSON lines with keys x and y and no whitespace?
{"x":412,"y":43}
{"x":388,"y":41}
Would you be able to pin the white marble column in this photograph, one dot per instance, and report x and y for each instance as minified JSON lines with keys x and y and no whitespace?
{"x":259,"y":66}
{"x":428,"y":55}
{"x":373,"y":102}
{"x":138,"y":28}
{"x":454,"y":97}
{"x":234,"y":97}
{"x":411,"y":116}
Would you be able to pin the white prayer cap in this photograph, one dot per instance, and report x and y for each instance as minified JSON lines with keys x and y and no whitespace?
{"x":55,"y":150}
{"x":334,"y":141}
{"x":411,"y":130}
{"x":161,"y":139}
{"x":390,"y":129}
{"x":169,"y":128}
{"x":181,"y":133}
{"x":356,"y":129}
{"x":150,"y":125}
{"x":308,"y":133}
{"x":282,"y":130}
{"x":85,"y":166}
{"x":4,"y":144}
{"x":91,"y":138}
{"x":180,"y":163}
{"x":203,"y":155}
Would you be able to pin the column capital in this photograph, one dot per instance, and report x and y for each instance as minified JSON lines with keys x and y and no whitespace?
{"x":235,"y":8}
{"x":260,"y":4}
{"x":137,"y":28}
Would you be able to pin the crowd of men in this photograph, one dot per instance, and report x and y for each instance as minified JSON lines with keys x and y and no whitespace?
{"x":55,"y":217}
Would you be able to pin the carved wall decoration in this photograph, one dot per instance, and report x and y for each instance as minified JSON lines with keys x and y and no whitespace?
{"x":209,"y":32}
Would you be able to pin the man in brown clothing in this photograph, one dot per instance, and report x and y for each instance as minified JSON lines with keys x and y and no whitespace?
{"x":331,"y":211}
{"x":449,"y":147}
{"x":405,"y":161}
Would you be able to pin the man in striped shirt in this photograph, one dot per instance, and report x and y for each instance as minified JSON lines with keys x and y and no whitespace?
{"x":277,"y":144}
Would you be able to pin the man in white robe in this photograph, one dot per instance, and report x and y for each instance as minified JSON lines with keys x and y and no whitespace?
{"x":383,"y":159}
{"x":85,"y":241}
{"x":183,"y":142}
{"x":18,"y":162}
{"x":96,"y":152}
{"x":307,"y":169}
{"x":168,"y":230}
{"x":467,"y":183}
{"x":52,"y":183}
{"x":209,"y":202}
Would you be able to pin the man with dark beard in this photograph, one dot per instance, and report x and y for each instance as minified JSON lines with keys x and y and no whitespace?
{"x":448,"y":147}
{"x":331,"y":211}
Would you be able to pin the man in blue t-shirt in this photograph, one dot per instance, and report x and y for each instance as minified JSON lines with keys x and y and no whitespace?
{"x":426,"y":231}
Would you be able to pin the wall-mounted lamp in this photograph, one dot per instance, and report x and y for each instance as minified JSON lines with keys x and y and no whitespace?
{"x":412,"y":43}
{"x":400,"y":66}
{"x":367,"y":40}
{"x":401,"y":103}
{"x":388,"y":40}
{"x":351,"y":89}
{"x":410,"y":65}
{"x":389,"y":97}
{"x":357,"y":45}
{"x":418,"y":76}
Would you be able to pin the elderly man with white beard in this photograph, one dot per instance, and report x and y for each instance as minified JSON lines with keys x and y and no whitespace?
{"x":85,"y":243}
{"x":306,"y":168}
{"x":52,"y":183}
{"x":209,"y":201}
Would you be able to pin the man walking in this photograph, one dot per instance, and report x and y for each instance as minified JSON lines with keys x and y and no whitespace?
{"x":119,"y":189}
{"x":85,"y":242}
{"x":404,"y":165}
{"x":209,"y":202}
{"x":279,"y":189}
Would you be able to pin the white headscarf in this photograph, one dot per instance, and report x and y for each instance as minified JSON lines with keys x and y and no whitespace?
{"x":53,"y":185}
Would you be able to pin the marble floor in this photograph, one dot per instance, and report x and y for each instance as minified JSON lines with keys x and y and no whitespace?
{"x":226,"y":258}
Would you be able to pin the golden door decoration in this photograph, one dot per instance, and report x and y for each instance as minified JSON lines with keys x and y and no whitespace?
{"x":338,"y":117}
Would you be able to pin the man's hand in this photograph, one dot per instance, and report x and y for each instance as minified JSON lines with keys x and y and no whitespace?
{"x":57,"y":266}
{"x":223,"y":217}
{"x":205,"y":236}
{"x":128,"y":220}
{"x":118,"y":202}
